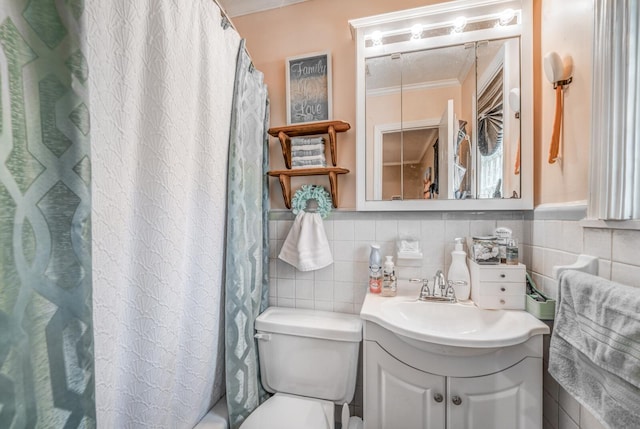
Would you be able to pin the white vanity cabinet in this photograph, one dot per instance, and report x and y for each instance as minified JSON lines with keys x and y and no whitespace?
{"x":416,"y":385}
{"x":399,"y":396}
{"x":500,"y":400}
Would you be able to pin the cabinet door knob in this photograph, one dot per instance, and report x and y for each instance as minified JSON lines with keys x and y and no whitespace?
{"x":438,"y":397}
{"x":456,"y":400}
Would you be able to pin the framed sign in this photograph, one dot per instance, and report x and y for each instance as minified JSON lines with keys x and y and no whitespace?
{"x":309,"y":88}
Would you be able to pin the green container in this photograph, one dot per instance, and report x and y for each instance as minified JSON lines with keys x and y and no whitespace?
{"x":542,"y":310}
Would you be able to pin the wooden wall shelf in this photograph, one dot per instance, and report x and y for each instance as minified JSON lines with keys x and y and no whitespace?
{"x":285,"y":133}
{"x":285,"y":180}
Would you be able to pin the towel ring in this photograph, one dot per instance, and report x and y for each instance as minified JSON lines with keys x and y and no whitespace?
{"x":312,"y":192}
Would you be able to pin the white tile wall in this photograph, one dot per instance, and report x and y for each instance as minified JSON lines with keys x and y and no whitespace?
{"x":343,"y":285}
{"x":559,"y":241}
{"x":546,"y":240}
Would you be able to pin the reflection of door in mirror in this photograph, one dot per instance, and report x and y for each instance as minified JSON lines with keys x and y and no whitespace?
{"x":408,"y":163}
{"x":421,"y":84}
{"x":498,"y":127}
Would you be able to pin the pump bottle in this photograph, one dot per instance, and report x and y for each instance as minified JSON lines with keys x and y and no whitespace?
{"x":459,"y":273}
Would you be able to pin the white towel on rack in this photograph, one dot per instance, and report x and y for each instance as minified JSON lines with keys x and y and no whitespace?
{"x":595,"y":347}
{"x":306,"y":247}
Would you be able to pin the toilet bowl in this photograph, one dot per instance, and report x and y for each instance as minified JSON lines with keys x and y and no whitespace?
{"x":309,"y":360}
{"x":283,"y":411}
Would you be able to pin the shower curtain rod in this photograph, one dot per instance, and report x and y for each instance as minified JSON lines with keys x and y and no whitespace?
{"x":225,"y":16}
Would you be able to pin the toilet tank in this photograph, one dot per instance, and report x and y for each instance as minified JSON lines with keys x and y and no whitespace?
{"x":309,"y":353}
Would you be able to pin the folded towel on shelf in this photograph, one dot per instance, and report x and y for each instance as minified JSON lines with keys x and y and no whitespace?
{"x":307,"y":152}
{"x":595,"y":347}
{"x":306,"y":247}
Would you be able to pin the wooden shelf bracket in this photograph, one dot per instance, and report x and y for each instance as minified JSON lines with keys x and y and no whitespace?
{"x":284,"y":176}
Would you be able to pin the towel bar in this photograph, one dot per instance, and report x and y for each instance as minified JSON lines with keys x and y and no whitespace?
{"x":585,"y":263}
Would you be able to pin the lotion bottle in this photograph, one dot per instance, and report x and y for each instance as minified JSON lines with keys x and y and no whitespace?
{"x":389,"y":286}
{"x":459,"y":273}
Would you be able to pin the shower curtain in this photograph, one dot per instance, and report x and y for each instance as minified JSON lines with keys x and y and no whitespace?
{"x":46,"y":334}
{"x":247,"y":258}
{"x":161,"y":92}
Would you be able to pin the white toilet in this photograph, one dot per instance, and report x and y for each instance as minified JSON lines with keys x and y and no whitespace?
{"x":309,"y":359}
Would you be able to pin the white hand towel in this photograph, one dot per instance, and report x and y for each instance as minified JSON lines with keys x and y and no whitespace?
{"x":306,"y":247}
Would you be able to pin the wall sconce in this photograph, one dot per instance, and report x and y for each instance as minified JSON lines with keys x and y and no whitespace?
{"x":514,"y":104}
{"x":559,"y":72}
{"x":514,"y":101}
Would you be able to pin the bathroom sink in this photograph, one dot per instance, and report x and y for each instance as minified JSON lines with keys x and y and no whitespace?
{"x":450,"y":324}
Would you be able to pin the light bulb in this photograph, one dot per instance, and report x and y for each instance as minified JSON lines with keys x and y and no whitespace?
{"x":459,"y":23}
{"x":416,"y":31}
{"x":506,"y":16}
{"x":376,"y":38}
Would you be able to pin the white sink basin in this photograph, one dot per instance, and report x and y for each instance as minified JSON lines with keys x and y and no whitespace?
{"x":459,"y":325}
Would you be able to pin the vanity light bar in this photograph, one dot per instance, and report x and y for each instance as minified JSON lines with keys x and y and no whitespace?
{"x":502,"y":19}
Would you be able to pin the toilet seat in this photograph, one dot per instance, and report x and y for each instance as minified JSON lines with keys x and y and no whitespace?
{"x":283,"y":411}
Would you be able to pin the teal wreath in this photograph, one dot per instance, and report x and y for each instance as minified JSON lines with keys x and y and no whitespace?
{"x":312,"y":192}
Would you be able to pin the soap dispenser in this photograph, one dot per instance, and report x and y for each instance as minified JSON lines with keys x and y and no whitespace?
{"x":458,"y":273}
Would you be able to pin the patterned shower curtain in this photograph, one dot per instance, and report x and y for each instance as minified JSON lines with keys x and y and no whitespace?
{"x":46,"y":334}
{"x":161,"y":92}
{"x":247,"y":258}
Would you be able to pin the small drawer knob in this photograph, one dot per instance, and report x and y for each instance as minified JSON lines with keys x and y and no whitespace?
{"x":456,"y":400}
{"x":502,"y":301}
{"x":503,"y":275}
{"x":502,"y":289}
{"x":438,"y":397}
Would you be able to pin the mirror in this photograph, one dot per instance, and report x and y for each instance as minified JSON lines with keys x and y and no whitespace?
{"x":442,"y":117}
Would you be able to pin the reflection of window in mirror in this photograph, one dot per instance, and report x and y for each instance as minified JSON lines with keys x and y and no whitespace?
{"x":498,"y":126}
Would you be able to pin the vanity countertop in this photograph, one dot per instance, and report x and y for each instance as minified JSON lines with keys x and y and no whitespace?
{"x":460,"y":324}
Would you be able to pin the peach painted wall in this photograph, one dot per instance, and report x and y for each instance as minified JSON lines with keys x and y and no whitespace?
{"x":306,"y":27}
{"x":567,"y":28}
{"x":317,"y":25}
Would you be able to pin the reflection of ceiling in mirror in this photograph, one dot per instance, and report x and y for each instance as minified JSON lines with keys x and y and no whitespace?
{"x":415,"y":143}
{"x":428,"y":67}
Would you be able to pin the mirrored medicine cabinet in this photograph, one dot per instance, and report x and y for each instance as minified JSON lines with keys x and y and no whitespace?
{"x":444,"y":107}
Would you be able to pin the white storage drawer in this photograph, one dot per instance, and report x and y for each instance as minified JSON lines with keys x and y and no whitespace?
{"x":498,"y":286}
{"x":502,"y":288}
{"x":507,"y":302}
{"x":501,"y":273}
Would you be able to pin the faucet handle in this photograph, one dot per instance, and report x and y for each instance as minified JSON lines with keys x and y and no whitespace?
{"x":450,"y":292}
{"x":424,"y":291}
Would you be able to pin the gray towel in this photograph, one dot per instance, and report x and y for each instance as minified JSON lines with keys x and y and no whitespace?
{"x":307,"y":152}
{"x":595,"y":347}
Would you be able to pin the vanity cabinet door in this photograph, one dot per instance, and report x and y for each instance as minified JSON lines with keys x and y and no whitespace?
{"x":507,"y":399}
{"x":398,"y":396}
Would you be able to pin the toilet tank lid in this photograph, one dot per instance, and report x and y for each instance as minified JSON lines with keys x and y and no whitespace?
{"x":310,"y":323}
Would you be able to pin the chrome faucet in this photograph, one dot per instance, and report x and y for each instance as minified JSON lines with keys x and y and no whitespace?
{"x":447,"y":293}
{"x":439,"y":282}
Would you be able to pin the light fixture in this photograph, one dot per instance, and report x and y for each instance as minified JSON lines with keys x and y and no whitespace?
{"x":416,"y":32}
{"x":459,"y":23}
{"x":376,"y":38}
{"x":506,"y":17}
